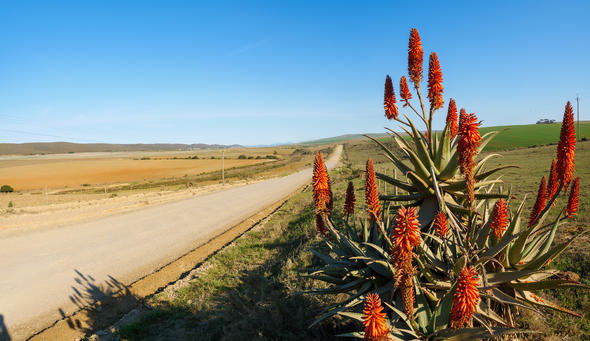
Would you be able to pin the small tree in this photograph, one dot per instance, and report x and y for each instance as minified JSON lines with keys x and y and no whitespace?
{"x":6,"y":189}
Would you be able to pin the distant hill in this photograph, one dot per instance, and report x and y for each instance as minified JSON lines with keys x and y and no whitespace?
{"x":67,"y":147}
{"x":341,"y":138}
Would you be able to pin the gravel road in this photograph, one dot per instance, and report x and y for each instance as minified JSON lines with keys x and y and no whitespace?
{"x":38,"y":269}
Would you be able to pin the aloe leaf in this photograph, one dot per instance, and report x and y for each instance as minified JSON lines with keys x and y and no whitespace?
{"x":400,"y":165}
{"x":419,"y":166}
{"x":485,"y":311}
{"x":497,"y":278}
{"x":501,"y":297}
{"x":353,"y":300}
{"x":496,"y":249}
{"x":423,"y":313}
{"x":528,"y":297}
{"x":354,"y":316}
{"x":379,"y":250}
{"x":440,"y":316}
{"x":354,"y":335}
{"x":326,"y":278}
{"x":482,"y":162}
{"x":464,"y":334}
{"x":325,"y":258}
{"x":533,"y":249}
{"x":420,"y":185}
{"x":442,"y":155}
{"x":407,"y":197}
{"x":398,"y":183}
{"x":548,"y":284}
{"x":451,"y":168}
{"x":552,"y":253}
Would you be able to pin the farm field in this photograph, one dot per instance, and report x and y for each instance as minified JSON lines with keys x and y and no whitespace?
{"x":91,"y":185}
{"x":259,"y":276}
{"x":64,"y":173}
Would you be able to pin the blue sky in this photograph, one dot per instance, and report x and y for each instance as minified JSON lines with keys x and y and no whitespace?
{"x":262,"y":72}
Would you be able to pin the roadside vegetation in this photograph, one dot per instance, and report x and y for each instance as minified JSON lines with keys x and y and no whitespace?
{"x":253,"y":289}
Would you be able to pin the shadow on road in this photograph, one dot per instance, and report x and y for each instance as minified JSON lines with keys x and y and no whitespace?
{"x":4,"y":335}
{"x":100,"y":304}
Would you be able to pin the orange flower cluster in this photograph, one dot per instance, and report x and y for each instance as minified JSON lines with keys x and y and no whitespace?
{"x":539,"y":203}
{"x":404,"y":91}
{"x":452,"y":118}
{"x":415,"y":58}
{"x":466,"y":297}
{"x":374,"y":319}
{"x":371,"y":193}
{"x":322,"y":192}
{"x":566,"y":148}
{"x":467,"y":147}
{"x":435,"y":87}
{"x":389,"y":100}
{"x":406,"y":236}
{"x":441,"y":225}
{"x":499,"y":221}
{"x":320,"y":225}
{"x":572,"y":203}
{"x":349,"y":200}
{"x":552,"y":183}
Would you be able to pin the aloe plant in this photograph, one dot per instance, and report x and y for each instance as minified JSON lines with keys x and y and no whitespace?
{"x":465,"y":280}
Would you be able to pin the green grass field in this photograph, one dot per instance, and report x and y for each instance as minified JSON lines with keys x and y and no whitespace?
{"x":531,"y":135}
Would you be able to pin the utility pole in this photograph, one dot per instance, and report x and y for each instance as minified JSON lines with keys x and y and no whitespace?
{"x":223,"y":166}
{"x":578,"y":113}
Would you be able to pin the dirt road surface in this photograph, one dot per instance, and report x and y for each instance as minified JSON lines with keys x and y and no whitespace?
{"x":39,"y":268}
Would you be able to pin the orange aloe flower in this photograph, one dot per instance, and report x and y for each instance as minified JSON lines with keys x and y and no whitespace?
{"x":552,"y":183}
{"x":322,"y":194}
{"x":350,"y":199}
{"x":499,"y":221}
{"x":566,"y":148}
{"x":415,"y":57}
{"x":466,"y":297}
{"x":404,"y":91}
{"x":389,"y":100}
{"x":572,"y":203}
{"x":539,"y":203}
{"x":320,"y":225}
{"x":374,"y":319}
{"x":467,"y":147}
{"x":405,"y":237}
{"x":452,"y":118}
{"x":441,"y":226}
{"x":406,"y":234}
{"x":435,"y":87}
{"x":371,"y":193}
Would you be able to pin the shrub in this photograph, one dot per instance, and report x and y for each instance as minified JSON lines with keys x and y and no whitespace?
{"x":242,"y":157}
{"x":6,"y":189}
